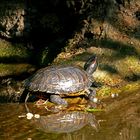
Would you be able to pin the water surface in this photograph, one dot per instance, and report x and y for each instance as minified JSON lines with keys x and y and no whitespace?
{"x":120,"y":121}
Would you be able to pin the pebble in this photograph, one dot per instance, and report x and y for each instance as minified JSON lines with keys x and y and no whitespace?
{"x":113,"y":95}
{"x":29,"y":116}
{"x":37,"y":116}
{"x":95,"y":100}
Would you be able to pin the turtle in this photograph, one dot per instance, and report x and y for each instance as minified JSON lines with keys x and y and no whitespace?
{"x":63,"y":80}
{"x":65,"y":121}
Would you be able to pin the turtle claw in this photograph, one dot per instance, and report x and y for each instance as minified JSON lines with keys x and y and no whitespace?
{"x":91,"y":95}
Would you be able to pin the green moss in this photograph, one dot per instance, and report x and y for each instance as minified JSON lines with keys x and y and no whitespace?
{"x":14,"y":59}
{"x":104,"y":91}
{"x":131,"y":87}
{"x":13,"y":52}
{"x":107,"y":91}
{"x":128,"y":67}
{"x":15,"y":69}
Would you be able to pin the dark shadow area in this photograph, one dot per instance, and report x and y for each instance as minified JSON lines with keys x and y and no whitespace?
{"x":9,"y":98}
{"x":15,"y":60}
{"x":133,"y":77}
{"x":18,"y":77}
{"x":52,"y":23}
{"x":108,"y":68}
{"x":137,"y":14}
{"x":122,"y":50}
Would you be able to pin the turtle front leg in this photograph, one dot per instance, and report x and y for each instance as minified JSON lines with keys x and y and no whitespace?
{"x":91,"y":94}
{"x":58,"y":100}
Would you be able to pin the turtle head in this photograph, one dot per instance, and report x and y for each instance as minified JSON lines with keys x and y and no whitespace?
{"x":91,"y":65}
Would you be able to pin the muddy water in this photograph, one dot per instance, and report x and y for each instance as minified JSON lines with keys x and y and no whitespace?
{"x":120,"y":121}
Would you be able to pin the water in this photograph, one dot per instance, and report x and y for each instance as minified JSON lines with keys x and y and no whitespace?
{"x":120,"y":121}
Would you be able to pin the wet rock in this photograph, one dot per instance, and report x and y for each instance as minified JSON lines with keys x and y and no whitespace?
{"x":12,"y":18}
{"x":10,"y":90}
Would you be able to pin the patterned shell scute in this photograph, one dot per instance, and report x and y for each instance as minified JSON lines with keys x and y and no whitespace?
{"x":60,"y":79}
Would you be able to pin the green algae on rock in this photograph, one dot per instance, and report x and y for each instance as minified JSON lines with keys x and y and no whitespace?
{"x":15,"y":69}
{"x":14,"y":59}
{"x":13,"y":52}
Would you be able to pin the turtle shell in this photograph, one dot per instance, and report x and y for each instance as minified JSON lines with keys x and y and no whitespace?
{"x":59,"y":79}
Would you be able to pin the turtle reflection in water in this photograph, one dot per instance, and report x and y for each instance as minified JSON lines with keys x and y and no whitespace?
{"x":61,"y":81}
{"x":65,"y":122}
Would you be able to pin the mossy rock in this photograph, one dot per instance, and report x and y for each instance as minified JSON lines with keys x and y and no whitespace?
{"x":13,"y":52}
{"x":14,"y":59}
{"x":15,"y":69}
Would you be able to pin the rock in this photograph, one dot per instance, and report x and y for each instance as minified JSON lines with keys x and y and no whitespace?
{"x":14,"y":59}
{"x":12,"y":18}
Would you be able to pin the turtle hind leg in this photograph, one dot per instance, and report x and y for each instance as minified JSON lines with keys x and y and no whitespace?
{"x":24,"y":97}
{"x":27,"y":97}
{"x":58,"y":100}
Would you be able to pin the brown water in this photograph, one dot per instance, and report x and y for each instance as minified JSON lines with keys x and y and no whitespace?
{"x":120,"y":121}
